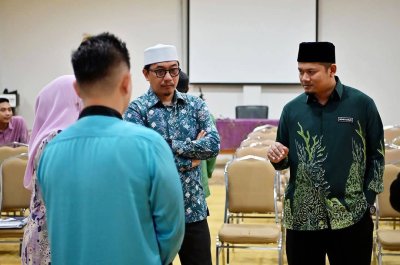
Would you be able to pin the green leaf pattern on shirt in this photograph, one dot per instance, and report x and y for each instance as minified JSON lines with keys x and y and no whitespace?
{"x":311,"y":203}
{"x":377,"y":183}
{"x":311,"y":187}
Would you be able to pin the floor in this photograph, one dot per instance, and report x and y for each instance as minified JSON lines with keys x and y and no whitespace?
{"x":9,"y":252}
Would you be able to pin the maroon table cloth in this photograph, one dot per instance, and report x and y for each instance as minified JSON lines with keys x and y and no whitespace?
{"x":233,"y":131}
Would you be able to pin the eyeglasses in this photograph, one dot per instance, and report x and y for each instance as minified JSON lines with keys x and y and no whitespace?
{"x":160,"y":73}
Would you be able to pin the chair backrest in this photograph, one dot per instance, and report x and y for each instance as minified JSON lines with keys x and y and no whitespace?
{"x":258,"y":150}
{"x":392,"y":156}
{"x":8,"y":151}
{"x":396,"y":142}
{"x":249,"y":142}
{"x":250,"y":185}
{"x":14,"y":194}
{"x":251,"y":112}
{"x":391,"y":132}
{"x":266,"y":128}
{"x":262,"y":135}
{"x":384,"y":206}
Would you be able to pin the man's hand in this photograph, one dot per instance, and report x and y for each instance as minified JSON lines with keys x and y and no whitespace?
{"x":201,"y":134}
{"x":195,"y":163}
{"x":277,"y":152}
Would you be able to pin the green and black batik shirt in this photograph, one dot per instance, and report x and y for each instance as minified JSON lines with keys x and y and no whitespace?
{"x":336,"y":159}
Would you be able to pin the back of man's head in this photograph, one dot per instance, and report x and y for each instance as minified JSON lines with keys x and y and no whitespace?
{"x":97,"y":56}
{"x":183,"y":83}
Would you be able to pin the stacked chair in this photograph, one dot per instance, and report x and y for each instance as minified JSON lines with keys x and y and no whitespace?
{"x":387,"y":241}
{"x":391,"y":132}
{"x":253,"y":204}
{"x":15,"y":199}
{"x":251,"y":194}
{"x":257,"y":143}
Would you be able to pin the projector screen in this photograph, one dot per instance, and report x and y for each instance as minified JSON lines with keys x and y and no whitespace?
{"x":248,"y":42}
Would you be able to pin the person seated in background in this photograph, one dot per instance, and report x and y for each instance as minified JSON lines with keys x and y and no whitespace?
{"x":207,"y":166}
{"x":12,"y":128}
{"x":395,"y":193}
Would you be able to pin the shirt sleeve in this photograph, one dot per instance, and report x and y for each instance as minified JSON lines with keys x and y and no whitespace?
{"x":282,"y":137}
{"x":210,"y":166}
{"x":166,"y":199}
{"x":204,"y":148}
{"x":133,"y":114}
{"x":375,"y":150}
{"x":23,"y":131}
{"x":183,"y":163}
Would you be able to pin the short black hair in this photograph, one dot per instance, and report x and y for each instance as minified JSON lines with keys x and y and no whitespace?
{"x":183,"y":83}
{"x":96,"y":55}
{"x":4,"y":100}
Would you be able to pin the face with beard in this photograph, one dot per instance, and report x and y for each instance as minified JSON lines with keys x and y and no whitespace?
{"x":317,"y":78}
{"x":163,"y":87}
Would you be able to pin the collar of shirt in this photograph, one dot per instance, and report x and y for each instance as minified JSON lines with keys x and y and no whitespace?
{"x":154,"y":100}
{"x":100,"y":110}
{"x":335,"y":96}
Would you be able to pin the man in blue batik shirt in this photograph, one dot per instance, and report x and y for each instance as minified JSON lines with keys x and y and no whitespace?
{"x":184,"y":122}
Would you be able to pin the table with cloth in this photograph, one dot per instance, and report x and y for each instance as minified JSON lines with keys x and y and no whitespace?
{"x":233,"y":131}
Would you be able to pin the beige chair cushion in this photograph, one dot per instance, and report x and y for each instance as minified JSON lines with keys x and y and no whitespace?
{"x":249,"y":233}
{"x":390,"y":239}
{"x":391,"y":132}
{"x":11,"y":233}
{"x":392,"y":156}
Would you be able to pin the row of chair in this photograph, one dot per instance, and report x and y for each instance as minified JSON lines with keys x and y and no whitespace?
{"x":392,"y":135}
{"x":14,"y":198}
{"x":387,"y":241}
{"x":253,"y":188}
{"x":251,"y":193}
{"x":253,"y":196}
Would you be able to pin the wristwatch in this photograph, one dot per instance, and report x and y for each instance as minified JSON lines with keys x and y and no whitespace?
{"x":372,"y":209}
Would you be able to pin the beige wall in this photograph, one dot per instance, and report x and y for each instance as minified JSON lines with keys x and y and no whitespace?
{"x":37,"y":37}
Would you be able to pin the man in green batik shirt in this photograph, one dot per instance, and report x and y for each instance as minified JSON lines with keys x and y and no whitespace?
{"x":336,"y":159}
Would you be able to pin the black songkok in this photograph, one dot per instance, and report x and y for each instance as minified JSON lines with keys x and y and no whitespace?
{"x":316,"y":52}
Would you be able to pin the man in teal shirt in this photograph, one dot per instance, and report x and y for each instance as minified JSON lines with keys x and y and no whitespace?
{"x":111,"y":189}
{"x":336,"y":159}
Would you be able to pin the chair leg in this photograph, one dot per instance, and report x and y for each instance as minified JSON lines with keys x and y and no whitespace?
{"x":379,"y":254}
{"x":227,"y":254}
{"x":20,"y":247}
{"x":217,"y":254}
{"x":223,"y":256}
{"x":280,"y":257}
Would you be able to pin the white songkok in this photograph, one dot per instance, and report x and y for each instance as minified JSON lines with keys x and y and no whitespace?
{"x":160,"y":53}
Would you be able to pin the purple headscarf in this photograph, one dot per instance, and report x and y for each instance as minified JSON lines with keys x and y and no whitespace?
{"x":57,"y":106}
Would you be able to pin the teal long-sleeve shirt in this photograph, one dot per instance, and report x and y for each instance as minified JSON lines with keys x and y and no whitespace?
{"x":336,"y":159}
{"x":112,"y":193}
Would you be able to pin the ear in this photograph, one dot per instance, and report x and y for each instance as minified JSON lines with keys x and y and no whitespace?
{"x":333,"y":69}
{"x":77,"y":89}
{"x":146,"y":74}
{"x":126,"y":84}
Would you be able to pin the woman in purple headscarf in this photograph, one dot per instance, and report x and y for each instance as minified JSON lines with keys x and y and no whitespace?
{"x":57,"y":106}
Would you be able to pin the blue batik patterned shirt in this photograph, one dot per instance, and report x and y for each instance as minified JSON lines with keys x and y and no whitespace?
{"x":179,"y":124}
